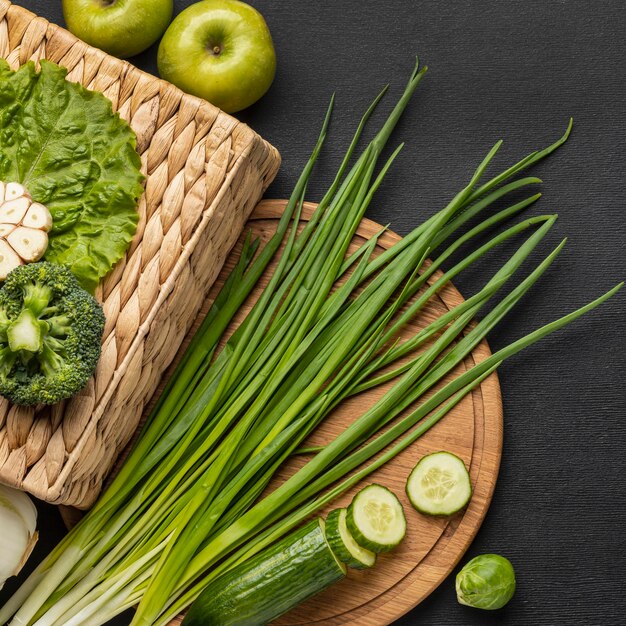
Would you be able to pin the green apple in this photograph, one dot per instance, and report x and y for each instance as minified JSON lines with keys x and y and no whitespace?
{"x":120,"y":27}
{"x":219,"y":50}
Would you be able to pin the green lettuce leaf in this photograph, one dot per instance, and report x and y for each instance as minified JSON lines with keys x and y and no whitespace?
{"x":76,"y":156}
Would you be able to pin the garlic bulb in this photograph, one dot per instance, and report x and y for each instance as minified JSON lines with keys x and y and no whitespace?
{"x":18,"y":522}
{"x":24,"y":227}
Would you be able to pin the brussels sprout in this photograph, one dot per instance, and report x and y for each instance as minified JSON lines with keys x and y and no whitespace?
{"x":486,"y":582}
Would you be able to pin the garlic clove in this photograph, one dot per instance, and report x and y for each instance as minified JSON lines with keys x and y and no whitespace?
{"x":13,"y":191}
{"x":24,"y":225}
{"x":29,"y":243}
{"x":13,"y":211}
{"x":37,"y":216}
{"x":5,"y":229}
{"x":9,"y":260}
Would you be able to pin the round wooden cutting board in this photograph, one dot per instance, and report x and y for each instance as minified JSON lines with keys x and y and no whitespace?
{"x":433,"y":546}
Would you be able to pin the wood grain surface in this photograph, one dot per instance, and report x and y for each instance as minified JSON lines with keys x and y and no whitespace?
{"x":473,"y":431}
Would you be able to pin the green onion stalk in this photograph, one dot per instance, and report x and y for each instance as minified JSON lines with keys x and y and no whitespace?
{"x":189,"y":503}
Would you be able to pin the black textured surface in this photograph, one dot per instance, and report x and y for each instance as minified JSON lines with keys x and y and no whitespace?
{"x":517,"y":71}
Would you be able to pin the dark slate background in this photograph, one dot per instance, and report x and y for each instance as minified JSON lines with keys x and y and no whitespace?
{"x":517,"y":71}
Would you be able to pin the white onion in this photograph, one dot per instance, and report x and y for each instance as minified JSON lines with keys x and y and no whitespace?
{"x":18,"y":534}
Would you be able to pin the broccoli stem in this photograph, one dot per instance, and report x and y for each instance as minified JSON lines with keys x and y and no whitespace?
{"x":37,"y":297}
{"x":7,"y":360}
{"x":49,"y":361}
{"x":59,"y":325}
{"x":26,"y":333}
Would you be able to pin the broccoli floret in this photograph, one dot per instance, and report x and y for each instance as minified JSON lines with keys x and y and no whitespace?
{"x":50,"y":334}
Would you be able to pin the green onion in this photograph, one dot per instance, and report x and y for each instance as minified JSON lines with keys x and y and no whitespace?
{"x":188,"y":503}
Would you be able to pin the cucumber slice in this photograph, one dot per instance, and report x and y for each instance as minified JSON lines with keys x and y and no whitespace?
{"x":343,"y":544}
{"x":375,"y":518}
{"x":439,"y":484}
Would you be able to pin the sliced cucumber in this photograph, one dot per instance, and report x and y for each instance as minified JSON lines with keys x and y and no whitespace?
{"x":343,"y":544}
{"x":376,"y":519}
{"x":439,"y":484}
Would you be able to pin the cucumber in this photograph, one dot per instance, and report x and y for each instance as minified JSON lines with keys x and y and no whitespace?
{"x":439,"y":484}
{"x":376,"y":519}
{"x":271,"y":583}
{"x":343,"y":544}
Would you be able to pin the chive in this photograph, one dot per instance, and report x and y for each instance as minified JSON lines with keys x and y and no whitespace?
{"x":189,"y":502}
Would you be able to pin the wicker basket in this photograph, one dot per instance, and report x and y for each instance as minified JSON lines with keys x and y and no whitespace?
{"x":205,"y":172}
